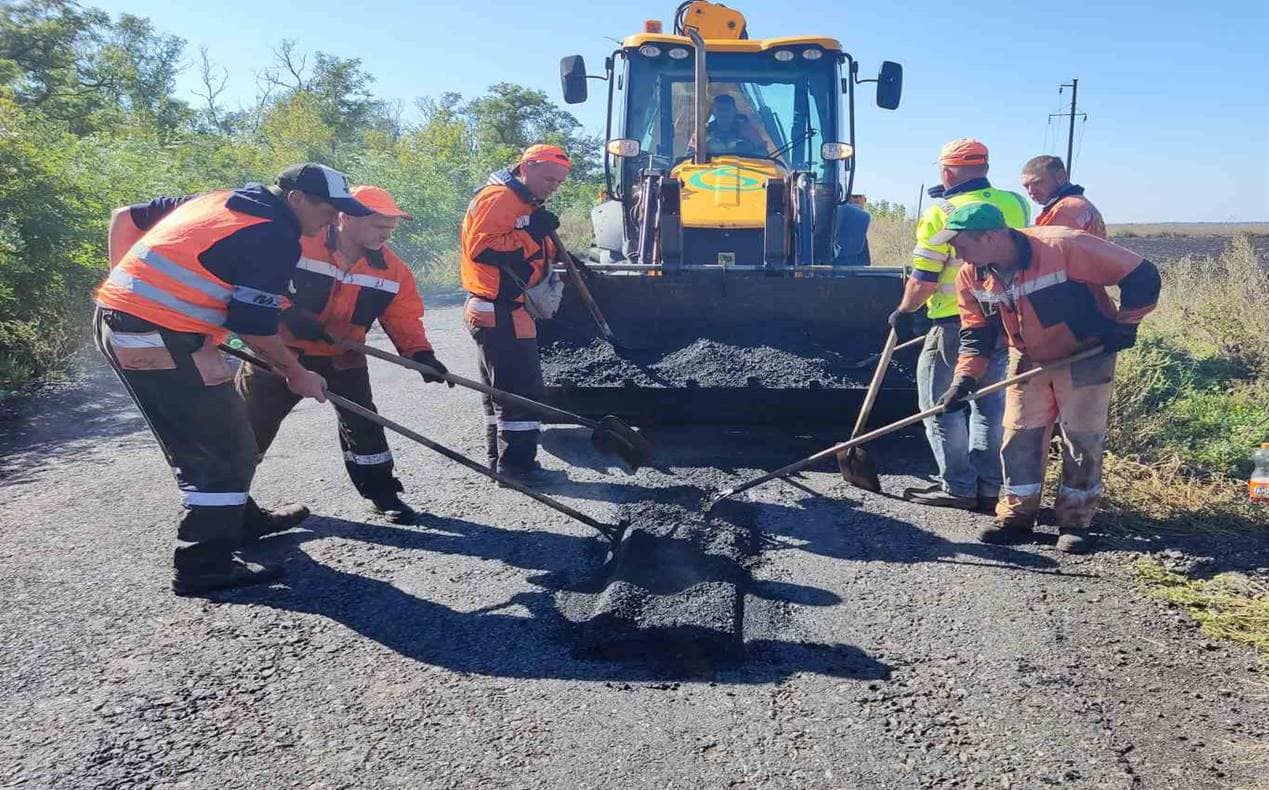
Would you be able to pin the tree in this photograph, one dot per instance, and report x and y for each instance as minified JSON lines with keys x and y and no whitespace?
{"x":511,"y":117}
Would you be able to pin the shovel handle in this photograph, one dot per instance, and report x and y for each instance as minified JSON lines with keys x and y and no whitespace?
{"x":497,"y":394}
{"x":901,"y":424}
{"x":361,"y":411}
{"x":874,"y":386}
{"x":583,"y":290}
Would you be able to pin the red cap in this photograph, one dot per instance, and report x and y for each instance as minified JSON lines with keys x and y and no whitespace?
{"x":965,"y":151}
{"x":380,"y":201}
{"x":546,"y":153}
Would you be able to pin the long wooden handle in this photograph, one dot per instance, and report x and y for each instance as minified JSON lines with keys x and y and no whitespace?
{"x":797,"y":466}
{"x":874,"y":386}
{"x":478,"y":386}
{"x":582,"y":289}
{"x":361,"y":411}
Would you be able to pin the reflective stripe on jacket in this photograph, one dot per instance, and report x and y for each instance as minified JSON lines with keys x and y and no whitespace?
{"x":162,"y":280}
{"x":348,"y":299}
{"x":935,"y":263}
{"x":1070,"y":209}
{"x":494,"y":241}
{"x":1056,"y":303}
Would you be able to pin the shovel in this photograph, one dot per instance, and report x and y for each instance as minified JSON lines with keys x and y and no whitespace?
{"x":856,"y":464}
{"x":797,"y":466}
{"x":611,"y":531}
{"x":583,"y":290}
{"x":609,"y":434}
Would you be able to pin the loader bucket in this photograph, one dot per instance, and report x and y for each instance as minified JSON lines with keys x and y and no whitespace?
{"x":726,"y":346}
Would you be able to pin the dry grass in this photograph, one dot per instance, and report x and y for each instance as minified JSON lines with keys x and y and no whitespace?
{"x":1130,"y":229}
{"x":1165,"y":497}
{"x":890,"y":235}
{"x":1227,"y":606}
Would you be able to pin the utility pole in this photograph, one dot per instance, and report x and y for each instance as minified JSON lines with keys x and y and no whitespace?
{"x":1074,"y":85}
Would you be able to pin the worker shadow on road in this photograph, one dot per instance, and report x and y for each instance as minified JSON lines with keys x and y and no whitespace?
{"x":534,"y":633}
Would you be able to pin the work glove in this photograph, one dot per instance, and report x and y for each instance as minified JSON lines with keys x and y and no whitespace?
{"x":902,"y":324}
{"x":1119,"y":337}
{"x":962,"y":387}
{"x":429,"y":358}
{"x":303,"y":326}
{"x":542,"y":223}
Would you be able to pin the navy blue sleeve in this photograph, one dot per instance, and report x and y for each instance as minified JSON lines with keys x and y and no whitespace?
{"x":147,"y":215}
{"x":258,"y":262}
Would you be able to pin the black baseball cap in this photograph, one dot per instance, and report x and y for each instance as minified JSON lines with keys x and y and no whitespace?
{"x":324,"y":183}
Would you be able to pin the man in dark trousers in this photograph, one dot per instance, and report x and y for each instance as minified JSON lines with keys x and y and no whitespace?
{"x":504,"y":248}
{"x":187,"y":272}
{"x":347,"y":279}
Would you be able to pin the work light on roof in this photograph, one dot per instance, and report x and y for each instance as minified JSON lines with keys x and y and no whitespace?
{"x":813,"y":53}
{"x":649,"y":51}
{"x":784,"y":55}
{"x":679,"y":53}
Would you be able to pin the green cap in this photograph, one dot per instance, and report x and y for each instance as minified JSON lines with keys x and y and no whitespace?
{"x":971,"y":216}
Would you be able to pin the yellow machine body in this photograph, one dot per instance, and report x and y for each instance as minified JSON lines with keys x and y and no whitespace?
{"x":727,"y":192}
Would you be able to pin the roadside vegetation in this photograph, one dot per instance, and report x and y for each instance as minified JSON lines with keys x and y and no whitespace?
{"x":89,"y":120}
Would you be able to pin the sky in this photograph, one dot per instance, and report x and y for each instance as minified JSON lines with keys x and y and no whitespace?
{"x":1177,"y":93}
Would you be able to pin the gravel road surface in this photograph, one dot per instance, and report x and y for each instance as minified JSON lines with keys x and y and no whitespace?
{"x":876,"y":645}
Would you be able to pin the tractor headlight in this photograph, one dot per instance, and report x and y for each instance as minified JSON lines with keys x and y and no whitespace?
{"x":832,"y":152}
{"x":784,"y":55}
{"x":679,"y":53}
{"x":649,"y":51}
{"x":812,"y":53}
{"x":623,"y":147}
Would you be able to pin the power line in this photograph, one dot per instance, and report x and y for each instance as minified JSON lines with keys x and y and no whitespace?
{"x":1074,"y":85}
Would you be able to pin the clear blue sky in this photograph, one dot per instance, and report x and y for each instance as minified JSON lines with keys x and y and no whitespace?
{"x":1177,"y":93}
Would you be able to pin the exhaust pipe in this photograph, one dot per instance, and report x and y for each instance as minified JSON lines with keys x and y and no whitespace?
{"x":700,"y":88}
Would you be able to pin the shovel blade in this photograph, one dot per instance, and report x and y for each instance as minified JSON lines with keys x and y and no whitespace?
{"x":859,"y":469}
{"x":614,"y":437}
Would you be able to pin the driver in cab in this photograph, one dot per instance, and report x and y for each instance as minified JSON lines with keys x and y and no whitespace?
{"x":731,"y":132}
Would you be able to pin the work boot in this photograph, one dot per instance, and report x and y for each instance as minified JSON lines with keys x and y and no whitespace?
{"x":390,"y":506}
{"x":940,"y":498}
{"x":987,"y":504}
{"x":257,"y":522}
{"x":1075,"y":541}
{"x":1011,"y":529}
{"x":231,"y":571}
{"x":530,"y":475}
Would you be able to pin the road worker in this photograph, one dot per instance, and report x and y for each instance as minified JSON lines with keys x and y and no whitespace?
{"x":966,"y":444}
{"x":1062,"y":203}
{"x":1043,"y":291}
{"x":187,"y":272}
{"x":505,"y":248}
{"x":346,"y":279}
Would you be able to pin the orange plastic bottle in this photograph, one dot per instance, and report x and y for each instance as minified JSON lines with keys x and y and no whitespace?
{"x":1258,"y":486}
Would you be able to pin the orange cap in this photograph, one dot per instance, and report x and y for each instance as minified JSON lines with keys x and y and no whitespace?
{"x":380,"y":201}
{"x":965,"y":151}
{"x":546,"y":153}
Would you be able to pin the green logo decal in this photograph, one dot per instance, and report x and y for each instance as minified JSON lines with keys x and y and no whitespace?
{"x":725,"y":178}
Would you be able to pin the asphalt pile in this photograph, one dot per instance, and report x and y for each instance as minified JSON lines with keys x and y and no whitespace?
{"x":671,"y":592}
{"x":788,"y":363}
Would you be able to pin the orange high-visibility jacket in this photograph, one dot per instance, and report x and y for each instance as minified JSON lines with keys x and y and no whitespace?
{"x":163,"y":277}
{"x":1070,"y":209}
{"x":347,"y":299}
{"x":493,"y":241}
{"x":1057,"y":303}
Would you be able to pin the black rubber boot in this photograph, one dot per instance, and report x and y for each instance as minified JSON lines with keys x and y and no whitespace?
{"x":1004,"y":531}
{"x":258,"y":522}
{"x":1075,"y":541}
{"x":199,"y":578}
{"x":389,"y":505}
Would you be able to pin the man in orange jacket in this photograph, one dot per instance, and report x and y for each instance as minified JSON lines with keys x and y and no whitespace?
{"x":347,"y":279}
{"x":505,"y":249}
{"x":1043,"y":292}
{"x":185,"y":273}
{"x":1062,"y":203}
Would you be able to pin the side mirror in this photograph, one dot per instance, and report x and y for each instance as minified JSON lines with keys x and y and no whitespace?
{"x":889,"y":85}
{"x":833,"y":152}
{"x":623,"y":147}
{"x":573,"y":79}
